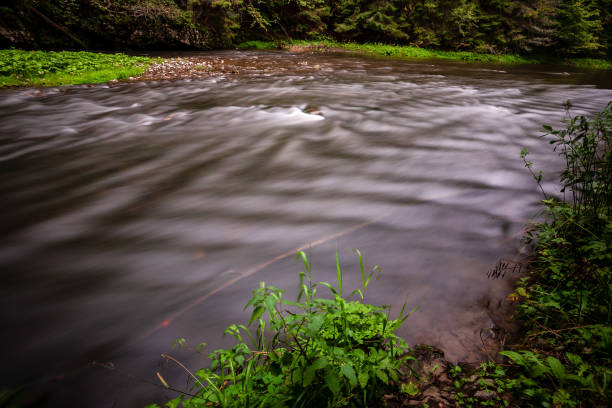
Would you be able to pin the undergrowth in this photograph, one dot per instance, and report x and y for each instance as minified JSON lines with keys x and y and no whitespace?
{"x":565,"y":301}
{"x":312,"y":352}
{"x":40,"y":68}
{"x":563,"y":358}
{"x":410,"y":52}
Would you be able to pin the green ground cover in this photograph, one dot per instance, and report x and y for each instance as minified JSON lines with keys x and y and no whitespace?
{"x":40,"y":68}
{"x":401,"y":51}
{"x":565,"y":301}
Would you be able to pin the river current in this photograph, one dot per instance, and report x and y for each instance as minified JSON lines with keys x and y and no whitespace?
{"x":141,"y":213}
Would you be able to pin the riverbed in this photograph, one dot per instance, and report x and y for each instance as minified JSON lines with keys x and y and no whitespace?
{"x":137,"y":213}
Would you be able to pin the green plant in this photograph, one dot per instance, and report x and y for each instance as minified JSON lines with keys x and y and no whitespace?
{"x":546,"y":378}
{"x":579,"y":228}
{"x":566,"y":298}
{"x":486,"y":385}
{"x":411,"y":52}
{"x":586,"y":146}
{"x":578,"y":27}
{"x":310,"y":352}
{"x":18,"y":67}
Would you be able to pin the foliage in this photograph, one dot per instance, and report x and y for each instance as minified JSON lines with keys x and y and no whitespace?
{"x":311,"y":352}
{"x":416,"y":52}
{"x":586,"y":146}
{"x":101,"y":24}
{"x":491,"y":383}
{"x":19,"y":67}
{"x":257,"y":45}
{"x":566,"y":299}
{"x":546,"y":380}
{"x":405,"y":51}
{"x":590,"y":63}
{"x":562,"y":28}
{"x":578,"y":27}
{"x":548,"y":27}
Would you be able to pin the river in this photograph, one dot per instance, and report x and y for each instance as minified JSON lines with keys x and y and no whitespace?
{"x":137,"y":214}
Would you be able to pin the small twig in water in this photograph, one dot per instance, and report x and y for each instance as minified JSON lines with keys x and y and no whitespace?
{"x":169,"y":357}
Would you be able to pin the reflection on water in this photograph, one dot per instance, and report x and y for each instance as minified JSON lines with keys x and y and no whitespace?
{"x":142,"y":213}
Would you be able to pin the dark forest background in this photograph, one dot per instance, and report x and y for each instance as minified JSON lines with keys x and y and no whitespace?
{"x":560,"y":28}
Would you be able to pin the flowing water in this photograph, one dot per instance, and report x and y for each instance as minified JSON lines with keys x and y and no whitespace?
{"x":138,"y":214}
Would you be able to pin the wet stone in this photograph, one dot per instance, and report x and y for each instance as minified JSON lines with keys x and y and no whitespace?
{"x":200,"y":67}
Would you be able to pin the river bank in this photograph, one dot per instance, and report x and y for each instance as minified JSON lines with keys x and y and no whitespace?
{"x":20,"y":68}
{"x":38,"y":68}
{"x":558,"y":354}
{"x":411,"y":52}
{"x":44,"y":69}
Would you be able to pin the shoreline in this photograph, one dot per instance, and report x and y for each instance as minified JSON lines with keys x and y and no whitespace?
{"x":415,"y":53}
{"x":138,"y":69}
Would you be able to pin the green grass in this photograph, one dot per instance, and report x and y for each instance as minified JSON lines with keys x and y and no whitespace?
{"x":257,"y":45}
{"x":590,"y":63}
{"x":41,"y":68}
{"x":409,"y":52}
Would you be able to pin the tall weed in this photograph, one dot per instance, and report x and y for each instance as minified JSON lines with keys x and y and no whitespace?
{"x":566,"y":298}
{"x":312,"y":352}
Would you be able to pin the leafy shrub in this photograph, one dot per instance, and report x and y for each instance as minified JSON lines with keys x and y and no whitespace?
{"x":564,"y":382}
{"x":313,"y":352}
{"x":586,"y":146}
{"x":566,"y":299}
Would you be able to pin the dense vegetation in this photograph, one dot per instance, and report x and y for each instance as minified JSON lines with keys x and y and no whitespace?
{"x":60,"y":68}
{"x":551,"y":27}
{"x":314,"y":352}
{"x":566,"y":299}
{"x":411,"y":52}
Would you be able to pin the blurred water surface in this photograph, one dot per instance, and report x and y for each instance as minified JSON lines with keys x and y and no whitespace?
{"x":138,"y":214}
